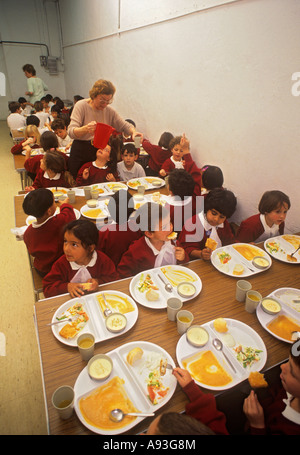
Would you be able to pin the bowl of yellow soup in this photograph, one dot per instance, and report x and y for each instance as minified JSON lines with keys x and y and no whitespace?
{"x":100,"y":367}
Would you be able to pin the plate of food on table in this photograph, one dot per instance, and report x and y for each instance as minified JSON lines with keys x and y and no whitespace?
{"x":284,"y":248}
{"x":135,"y":379}
{"x":149,"y":288}
{"x":149,"y":183}
{"x":86,"y":314}
{"x":94,"y":210}
{"x":279,"y":314}
{"x":240,"y":260}
{"x":243,"y":353}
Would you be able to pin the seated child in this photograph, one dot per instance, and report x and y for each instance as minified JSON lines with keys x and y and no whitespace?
{"x":80,"y":264}
{"x":43,"y":238}
{"x":201,"y":417}
{"x":60,"y":129}
{"x":116,"y":237}
{"x":128,"y":168}
{"x":26,"y":106}
{"x":103,"y":169}
{"x":43,"y":116}
{"x":278,"y":413}
{"x":158,"y":154}
{"x":153,"y":249}
{"x":31,"y":141}
{"x":269,"y":222}
{"x":15,"y":120}
{"x":212,"y":177}
{"x":219,"y":205}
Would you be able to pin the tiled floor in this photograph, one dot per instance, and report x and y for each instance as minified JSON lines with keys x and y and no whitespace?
{"x":22,"y":409}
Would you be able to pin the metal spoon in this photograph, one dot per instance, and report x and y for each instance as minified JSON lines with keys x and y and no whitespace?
{"x":116,"y":415}
{"x":107,"y":310}
{"x":219,"y":346}
{"x":295,"y":335}
{"x":292,"y":254}
{"x":168,"y":287}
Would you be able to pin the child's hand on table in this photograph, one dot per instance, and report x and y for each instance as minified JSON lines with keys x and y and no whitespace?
{"x":110,"y":178}
{"x":75,"y":290}
{"x":183,"y":376}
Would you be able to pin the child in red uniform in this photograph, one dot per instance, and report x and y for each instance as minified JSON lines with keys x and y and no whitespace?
{"x":116,"y":237}
{"x":158,"y":154}
{"x":279,"y":414}
{"x":31,"y":141}
{"x":219,"y":204}
{"x":81,"y":263}
{"x":44,"y":237}
{"x":212,"y":177}
{"x":153,"y":249}
{"x":269,"y":222}
{"x":103,"y":169}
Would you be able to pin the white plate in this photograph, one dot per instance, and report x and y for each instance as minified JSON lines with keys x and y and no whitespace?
{"x":287,"y":295}
{"x":237,"y":258}
{"x":135,"y":383}
{"x":35,"y":152}
{"x":87,"y":212}
{"x":265,"y":318}
{"x":187,"y":275}
{"x":285,"y":248}
{"x":106,"y":188}
{"x":96,"y":322}
{"x":242,"y":334}
{"x":32,"y":219}
{"x":146,"y":182}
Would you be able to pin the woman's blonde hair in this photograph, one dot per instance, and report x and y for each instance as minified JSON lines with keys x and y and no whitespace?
{"x":32,"y":129}
{"x":102,"y":87}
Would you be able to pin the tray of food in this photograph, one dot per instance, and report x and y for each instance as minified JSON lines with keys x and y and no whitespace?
{"x":86,"y":314}
{"x":282,"y":247}
{"x":137,"y":381}
{"x":149,"y":287}
{"x":240,"y":260}
{"x":244,"y":349}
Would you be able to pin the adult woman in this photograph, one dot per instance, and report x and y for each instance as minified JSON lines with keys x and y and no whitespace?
{"x":85,"y":115}
{"x":36,"y":87}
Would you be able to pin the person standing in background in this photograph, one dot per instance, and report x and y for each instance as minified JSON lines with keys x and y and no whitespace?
{"x":36,"y":87}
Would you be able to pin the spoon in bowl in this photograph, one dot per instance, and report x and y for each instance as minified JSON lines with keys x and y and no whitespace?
{"x":219,"y":347}
{"x":117,"y":415}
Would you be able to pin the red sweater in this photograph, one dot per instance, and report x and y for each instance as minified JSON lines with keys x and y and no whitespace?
{"x":114,"y":240}
{"x":252,"y":228}
{"x":45,"y":243}
{"x":179,"y":214}
{"x":32,"y":164}
{"x":17,"y":149}
{"x":42,"y":182}
{"x":96,"y":175}
{"x":137,"y":258}
{"x":194,"y":228}
{"x":158,"y":155}
{"x":202,"y":407}
{"x":61,"y":273}
{"x":191,"y":167}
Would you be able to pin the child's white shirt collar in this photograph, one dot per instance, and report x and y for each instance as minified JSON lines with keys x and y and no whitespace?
{"x":56,"y":177}
{"x":177,"y":164}
{"x":75,"y":266}
{"x":290,"y":413}
{"x":98,"y":167}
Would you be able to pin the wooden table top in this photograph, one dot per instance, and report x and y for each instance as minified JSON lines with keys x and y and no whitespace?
{"x":62,"y":364}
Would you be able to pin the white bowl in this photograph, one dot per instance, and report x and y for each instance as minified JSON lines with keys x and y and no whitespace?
{"x":197,"y":335}
{"x":186,"y":289}
{"x":116,"y":322}
{"x":270,"y":305}
{"x":100,"y":367}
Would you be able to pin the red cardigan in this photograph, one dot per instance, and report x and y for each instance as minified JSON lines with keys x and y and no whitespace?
{"x":32,"y":164}
{"x":17,"y":149}
{"x":252,"y":228}
{"x":61,"y":273}
{"x":158,"y":155}
{"x":137,"y":258}
{"x":96,"y":175}
{"x":45,"y":243}
{"x":42,"y":182}
{"x":191,"y":167}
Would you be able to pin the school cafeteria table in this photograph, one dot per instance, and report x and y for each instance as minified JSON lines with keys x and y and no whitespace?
{"x":19,"y":167}
{"x":62,"y":364}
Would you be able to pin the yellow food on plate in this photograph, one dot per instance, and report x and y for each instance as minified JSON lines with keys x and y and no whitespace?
{"x":94,"y":213}
{"x":95,"y":408}
{"x":220,"y":325}
{"x":291,"y":258}
{"x":68,"y":331}
{"x":134,"y":355}
{"x":292,"y":239}
{"x":257,"y":380}
{"x":176,"y":276}
{"x":207,"y":370}
{"x":247,"y":251}
{"x":238,"y":269}
{"x":211,"y":244}
{"x":116,"y":322}
{"x":283,"y":326}
{"x":118,"y":303}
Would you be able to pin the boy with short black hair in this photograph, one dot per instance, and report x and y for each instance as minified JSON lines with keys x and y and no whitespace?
{"x":128,"y":168}
{"x":15,"y":120}
{"x":59,"y":127}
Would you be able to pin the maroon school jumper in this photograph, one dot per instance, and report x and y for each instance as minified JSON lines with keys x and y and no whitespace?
{"x":157,"y":155}
{"x":252,"y":228}
{"x":41,"y":181}
{"x":191,"y":167}
{"x":96,"y":175}
{"x":17,"y":149}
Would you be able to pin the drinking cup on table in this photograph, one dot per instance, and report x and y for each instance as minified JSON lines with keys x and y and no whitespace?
{"x":63,"y":401}
{"x":184,"y":320}
{"x":253,"y":298}
{"x":86,"y":345}
{"x":137,"y":141}
{"x":173,"y":306}
{"x":242,"y":286}
{"x":141,"y":190}
{"x":71,"y":196}
{"x":87,"y":192}
{"x":94,"y":194}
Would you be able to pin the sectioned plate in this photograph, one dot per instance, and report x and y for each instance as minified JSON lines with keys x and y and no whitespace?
{"x":242,"y":335}
{"x":135,"y":381}
{"x":117,"y":301}
{"x":99,"y":212}
{"x":147,"y":182}
{"x":172,"y":274}
{"x":279,"y":247}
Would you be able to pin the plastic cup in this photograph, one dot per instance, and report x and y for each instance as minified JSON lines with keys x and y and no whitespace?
{"x":94,"y":194}
{"x":253,"y":298}
{"x":87,"y":192}
{"x":86,"y":345}
{"x":242,"y":286}
{"x":184,"y":321}
{"x":173,"y":306}
{"x":63,"y":401}
{"x":71,"y":196}
{"x":141,"y":190}
{"x":137,"y":141}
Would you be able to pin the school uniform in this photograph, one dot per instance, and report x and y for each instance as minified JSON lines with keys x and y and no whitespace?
{"x":45,"y":241}
{"x":15,"y":121}
{"x":182,"y":210}
{"x":64,"y":142}
{"x":17,"y":149}
{"x":255,"y":229}
{"x":125,"y":174}
{"x":157,"y":155}
{"x":42,"y":180}
{"x":96,"y":174}
{"x":32,"y":164}
{"x":63,"y":272}
{"x":196,"y":231}
{"x":189,"y":165}
{"x":43,"y":117}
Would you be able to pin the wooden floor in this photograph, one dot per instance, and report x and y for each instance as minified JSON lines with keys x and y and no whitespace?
{"x":22,"y":410}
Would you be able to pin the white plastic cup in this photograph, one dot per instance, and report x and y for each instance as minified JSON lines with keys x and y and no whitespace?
{"x":71,"y":196}
{"x":87,"y":192}
{"x":63,"y":401}
{"x":184,"y":321}
{"x":173,"y":306}
{"x":242,"y":286}
{"x":87,"y":351}
{"x":253,"y":298}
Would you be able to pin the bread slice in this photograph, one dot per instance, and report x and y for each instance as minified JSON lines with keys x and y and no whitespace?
{"x":134,"y":355}
{"x":257,"y":380}
{"x":238,"y":269}
{"x":152,"y":295}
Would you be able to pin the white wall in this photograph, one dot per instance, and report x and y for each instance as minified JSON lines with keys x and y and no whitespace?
{"x":222,"y":75}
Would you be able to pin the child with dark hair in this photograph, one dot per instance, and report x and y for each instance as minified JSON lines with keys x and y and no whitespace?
{"x":81,"y":267}
{"x":39,"y":112}
{"x":128,"y":168}
{"x":219,"y":205}
{"x":44,"y":238}
{"x":15,"y":120}
{"x":60,"y":129}
{"x":116,"y":237}
{"x":212,"y":177}
{"x":269,"y":222}
{"x":157,"y":153}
